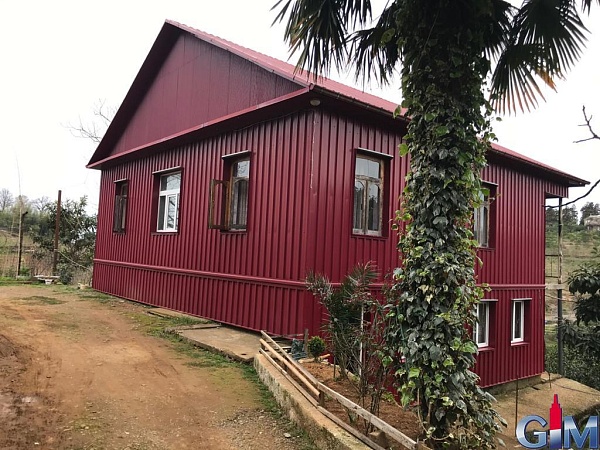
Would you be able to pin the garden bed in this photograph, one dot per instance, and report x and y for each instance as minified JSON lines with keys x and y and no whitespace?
{"x":391,"y":412}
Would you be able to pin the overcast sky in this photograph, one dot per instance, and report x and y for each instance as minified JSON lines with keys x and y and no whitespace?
{"x":59,"y":58}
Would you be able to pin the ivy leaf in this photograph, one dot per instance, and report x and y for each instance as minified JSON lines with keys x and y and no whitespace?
{"x":441,"y":130}
{"x":414,"y":372}
{"x":403,"y":149}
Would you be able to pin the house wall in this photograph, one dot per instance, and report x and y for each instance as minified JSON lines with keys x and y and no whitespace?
{"x":252,"y":279}
{"x":300,"y":219}
{"x":197,"y":83}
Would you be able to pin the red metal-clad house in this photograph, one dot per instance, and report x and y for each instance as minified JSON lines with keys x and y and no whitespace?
{"x":226,"y":178}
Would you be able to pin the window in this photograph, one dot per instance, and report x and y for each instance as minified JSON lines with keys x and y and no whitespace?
{"x":239,"y":194}
{"x":368,"y":196}
{"x":482,"y":326}
{"x":228,"y":209}
{"x":483,"y":217}
{"x":120,"y":207}
{"x":518,"y":321}
{"x":168,"y":201}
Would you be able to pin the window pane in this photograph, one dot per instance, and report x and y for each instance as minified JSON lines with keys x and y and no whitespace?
{"x":374,"y":208}
{"x":482,"y":325}
{"x":171,"y":212}
{"x":123,"y":212}
{"x":161,"y":212}
{"x":241,"y":169}
{"x":239,"y":204}
{"x":480,"y":225}
{"x":518,"y":320}
{"x":367,"y":167}
{"x":359,"y":201}
{"x":170,"y":182}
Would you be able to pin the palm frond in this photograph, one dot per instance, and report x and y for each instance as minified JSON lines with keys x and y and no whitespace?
{"x":545,"y":40}
{"x":498,"y":33}
{"x":319,"y":30}
{"x":587,"y":4}
{"x":375,"y":50}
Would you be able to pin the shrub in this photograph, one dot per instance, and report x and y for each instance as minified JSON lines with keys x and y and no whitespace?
{"x":577,"y":366}
{"x":316,"y":346}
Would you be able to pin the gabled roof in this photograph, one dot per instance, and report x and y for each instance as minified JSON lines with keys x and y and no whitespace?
{"x":289,"y":71}
{"x":306,"y":83}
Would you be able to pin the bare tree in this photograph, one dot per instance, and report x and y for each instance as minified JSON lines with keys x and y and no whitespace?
{"x":6,"y":199}
{"x":95,"y":129}
{"x":38,"y":204}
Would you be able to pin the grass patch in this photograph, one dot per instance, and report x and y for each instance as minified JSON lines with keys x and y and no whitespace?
{"x":96,"y":296}
{"x":5,"y":281}
{"x":43,"y":300}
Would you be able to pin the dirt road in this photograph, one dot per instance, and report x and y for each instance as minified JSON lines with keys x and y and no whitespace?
{"x":80,"y":371}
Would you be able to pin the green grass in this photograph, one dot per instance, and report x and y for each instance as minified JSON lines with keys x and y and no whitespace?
{"x":6,"y":281}
{"x":43,"y":300}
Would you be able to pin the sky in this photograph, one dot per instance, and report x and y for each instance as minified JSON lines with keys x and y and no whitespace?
{"x":61,"y":58}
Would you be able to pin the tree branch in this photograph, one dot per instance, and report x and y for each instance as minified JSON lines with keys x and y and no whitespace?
{"x":588,"y":125}
{"x":94,"y":131}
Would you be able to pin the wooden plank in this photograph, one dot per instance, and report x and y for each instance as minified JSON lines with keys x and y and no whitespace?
{"x":380,"y":424}
{"x":290,"y":367}
{"x":357,"y":434}
{"x":286,"y":355}
{"x":290,"y":379}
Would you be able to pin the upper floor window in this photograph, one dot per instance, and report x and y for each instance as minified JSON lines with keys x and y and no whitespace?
{"x":168,"y":201}
{"x":120,"y":206}
{"x":228,"y":208}
{"x":368,"y":196}
{"x":483,"y":219}
{"x":240,"y":173}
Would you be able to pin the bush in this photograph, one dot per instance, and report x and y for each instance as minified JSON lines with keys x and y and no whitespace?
{"x":577,"y":366}
{"x":316,"y":346}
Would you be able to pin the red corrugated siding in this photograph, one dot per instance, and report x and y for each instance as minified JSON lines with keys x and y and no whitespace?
{"x":300,"y":218}
{"x":502,"y":361}
{"x":198,"y":82}
{"x":189,"y":270}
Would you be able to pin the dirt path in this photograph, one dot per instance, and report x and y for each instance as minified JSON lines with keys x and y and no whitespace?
{"x":77,"y":373}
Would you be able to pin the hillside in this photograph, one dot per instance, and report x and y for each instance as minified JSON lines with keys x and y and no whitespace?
{"x":579,"y":247}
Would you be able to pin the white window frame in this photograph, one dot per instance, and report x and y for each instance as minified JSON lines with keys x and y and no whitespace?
{"x":518,"y":305}
{"x":368,"y":182}
{"x":477,"y":327}
{"x":168,"y":194}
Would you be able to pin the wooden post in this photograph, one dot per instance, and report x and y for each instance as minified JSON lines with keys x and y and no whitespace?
{"x":559,"y":292}
{"x":56,"y":233}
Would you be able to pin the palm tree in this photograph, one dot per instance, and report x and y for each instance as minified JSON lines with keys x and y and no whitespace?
{"x":446,"y":51}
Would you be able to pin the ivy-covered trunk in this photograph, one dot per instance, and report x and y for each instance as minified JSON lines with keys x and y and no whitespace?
{"x":442,"y":79}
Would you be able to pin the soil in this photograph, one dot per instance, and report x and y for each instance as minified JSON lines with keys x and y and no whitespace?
{"x":80,"y":374}
{"x":390,"y":411}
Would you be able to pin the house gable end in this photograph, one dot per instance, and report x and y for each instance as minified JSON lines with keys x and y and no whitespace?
{"x":185,"y":82}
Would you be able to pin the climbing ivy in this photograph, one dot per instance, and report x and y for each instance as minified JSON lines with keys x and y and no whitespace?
{"x":436,"y":292}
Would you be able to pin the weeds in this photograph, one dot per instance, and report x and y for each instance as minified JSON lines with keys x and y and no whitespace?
{"x":43,"y":300}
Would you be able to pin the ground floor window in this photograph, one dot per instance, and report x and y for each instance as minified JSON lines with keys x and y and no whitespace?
{"x":482,"y":327}
{"x":518,"y":321}
{"x":120,"y":206}
{"x":168,"y":201}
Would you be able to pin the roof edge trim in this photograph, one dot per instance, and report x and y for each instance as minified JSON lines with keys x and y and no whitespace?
{"x":202,"y":126}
